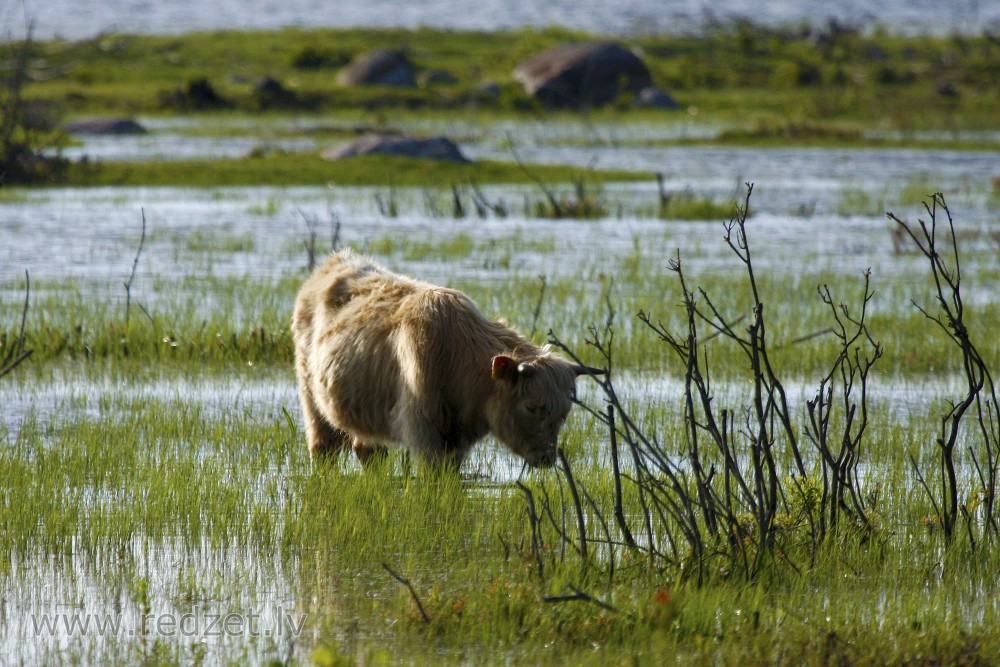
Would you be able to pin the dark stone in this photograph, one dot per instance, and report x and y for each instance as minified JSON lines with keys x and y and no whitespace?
{"x":654,"y":98}
{"x":437,"y":76}
{"x":112,"y":126}
{"x":202,"y":93}
{"x":269,"y":93}
{"x":196,"y":95}
{"x":379,"y":68}
{"x":431,"y":148}
{"x":582,"y":74}
{"x":947,"y":89}
{"x":269,"y":86}
{"x":489,"y":90}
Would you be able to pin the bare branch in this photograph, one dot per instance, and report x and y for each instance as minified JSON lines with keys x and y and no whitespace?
{"x":409,"y":587}
{"x":135,"y":264}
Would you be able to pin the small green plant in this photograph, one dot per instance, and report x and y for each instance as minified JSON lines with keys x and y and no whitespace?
{"x":268,"y":209}
{"x":858,"y":201}
{"x":686,"y":205}
{"x":204,"y":240}
{"x":582,"y":205}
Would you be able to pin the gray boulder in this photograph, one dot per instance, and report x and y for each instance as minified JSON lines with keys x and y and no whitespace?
{"x":104,"y":126}
{"x":379,"y":68}
{"x":582,"y":74}
{"x":432,"y":148}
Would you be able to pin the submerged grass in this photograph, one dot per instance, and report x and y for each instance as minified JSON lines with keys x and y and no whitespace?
{"x":224,"y":487}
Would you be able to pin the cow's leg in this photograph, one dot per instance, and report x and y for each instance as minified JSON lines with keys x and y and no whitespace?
{"x":324,"y":441}
{"x":370,"y":454}
{"x":449,"y":460}
{"x":428,"y":446}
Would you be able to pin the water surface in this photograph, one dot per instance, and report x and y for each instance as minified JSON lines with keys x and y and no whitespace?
{"x":75,"y":20}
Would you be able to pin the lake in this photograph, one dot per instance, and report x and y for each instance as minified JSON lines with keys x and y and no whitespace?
{"x":75,"y":20}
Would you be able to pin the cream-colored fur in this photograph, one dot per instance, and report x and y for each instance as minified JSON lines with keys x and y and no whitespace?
{"x":385,"y":359}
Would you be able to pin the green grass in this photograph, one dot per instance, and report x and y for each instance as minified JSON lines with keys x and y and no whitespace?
{"x":742,"y":76}
{"x":310,"y":169}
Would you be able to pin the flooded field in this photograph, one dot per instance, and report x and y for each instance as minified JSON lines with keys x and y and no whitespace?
{"x":117,"y":589}
{"x":822,"y":204}
{"x":205,"y":508}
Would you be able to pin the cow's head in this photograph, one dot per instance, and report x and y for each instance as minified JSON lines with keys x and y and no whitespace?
{"x":533,"y":399}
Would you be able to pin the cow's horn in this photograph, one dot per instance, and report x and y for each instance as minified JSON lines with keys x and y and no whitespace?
{"x":580,"y":369}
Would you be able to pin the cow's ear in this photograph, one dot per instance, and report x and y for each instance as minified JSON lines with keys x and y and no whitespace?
{"x":504,"y":368}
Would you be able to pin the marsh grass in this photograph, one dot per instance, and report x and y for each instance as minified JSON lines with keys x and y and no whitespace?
{"x":224,"y":322}
{"x":160,"y":467}
{"x":225,"y":488}
{"x":277,"y":169}
{"x":457,"y":247}
{"x":686,"y":205}
{"x":856,"y":200}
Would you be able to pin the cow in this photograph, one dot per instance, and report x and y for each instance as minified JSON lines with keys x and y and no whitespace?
{"x":383,"y":359}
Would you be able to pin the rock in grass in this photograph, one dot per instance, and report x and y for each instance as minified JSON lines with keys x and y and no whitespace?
{"x":489,"y":90}
{"x":433,"y":77}
{"x":104,"y":126}
{"x":269,"y":93}
{"x":430,"y":148}
{"x":196,"y":95}
{"x":654,"y":98}
{"x":582,"y":74}
{"x":379,"y":68}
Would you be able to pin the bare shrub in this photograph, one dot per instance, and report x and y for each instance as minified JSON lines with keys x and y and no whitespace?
{"x":978,"y":403}
{"x":751,"y":485}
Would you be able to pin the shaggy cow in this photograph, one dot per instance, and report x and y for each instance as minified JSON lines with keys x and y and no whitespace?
{"x":382,"y":358}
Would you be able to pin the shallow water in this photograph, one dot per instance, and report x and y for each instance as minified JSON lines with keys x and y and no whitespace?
{"x":821,"y":208}
{"x":797,"y":178}
{"x":267,"y":396}
{"x":62,"y":609}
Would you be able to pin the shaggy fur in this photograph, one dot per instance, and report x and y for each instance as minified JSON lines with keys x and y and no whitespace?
{"x":382,"y":358}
